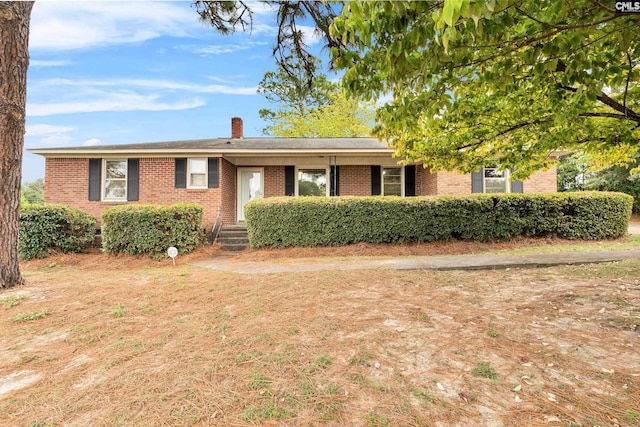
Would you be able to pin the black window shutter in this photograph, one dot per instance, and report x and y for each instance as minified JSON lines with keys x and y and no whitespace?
{"x":477,"y":179}
{"x":289,"y":180}
{"x":181,"y":173}
{"x":410,"y":180}
{"x":213,"y":167}
{"x":376,"y":177}
{"x":334,"y":178}
{"x":133,"y":172}
{"x":517,"y":187}
{"x":95,"y":166}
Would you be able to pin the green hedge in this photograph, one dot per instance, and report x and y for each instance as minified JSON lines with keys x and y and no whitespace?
{"x":334,"y":221}
{"x":48,"y":227}
{"x":151,"y":229}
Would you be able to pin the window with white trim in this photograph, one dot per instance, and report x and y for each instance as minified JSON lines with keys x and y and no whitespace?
{"x":114,"y":183}
{"x":197,"y":173}
{"x":495,"y":180}
{"x":392,"y":179}
{"x":312,"y":182}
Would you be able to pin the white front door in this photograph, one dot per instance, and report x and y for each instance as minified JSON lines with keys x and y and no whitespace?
{"x":250,"y":187}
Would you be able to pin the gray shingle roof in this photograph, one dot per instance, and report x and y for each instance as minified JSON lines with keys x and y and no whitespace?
{"x":231,"y":145}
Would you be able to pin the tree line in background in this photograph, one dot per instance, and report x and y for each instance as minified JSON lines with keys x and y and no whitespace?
{"x":32,"y":192}
{"x":576,"y":174}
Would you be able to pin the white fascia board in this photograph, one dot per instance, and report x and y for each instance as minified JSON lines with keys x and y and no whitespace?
{"x":58,"y":153}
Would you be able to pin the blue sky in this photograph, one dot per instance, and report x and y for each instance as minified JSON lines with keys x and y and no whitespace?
{"x":115,"y":72}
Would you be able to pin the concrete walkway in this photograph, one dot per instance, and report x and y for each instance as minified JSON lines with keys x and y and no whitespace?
{"x":454,"y":262}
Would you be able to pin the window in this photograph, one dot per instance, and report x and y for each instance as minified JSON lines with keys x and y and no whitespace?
{"x":392,"y":181}
{"x":312,"y":182}
{"x":115,"y":180}
{"x":495,"y":181}
{"x":197,"y":173}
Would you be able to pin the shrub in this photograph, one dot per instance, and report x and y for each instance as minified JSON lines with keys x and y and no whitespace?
{"x":151,"y":229}
{"x":333,"y":221}
{"x":48,"y":227}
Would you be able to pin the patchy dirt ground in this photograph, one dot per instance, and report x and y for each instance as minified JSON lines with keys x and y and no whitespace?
{"x":100,"y":340}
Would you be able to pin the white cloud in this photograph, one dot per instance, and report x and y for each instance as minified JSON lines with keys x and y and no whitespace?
{"x":58,"y":139}
{"x":43,"y":129}
{"x":309,"y":35}
{"x":120,"y":101}
{"x":48,"y":63}
{"x":89,"y":86}
{"x":71,"y":25}
{"x":220,"y":49}
{"x":91,"y":142}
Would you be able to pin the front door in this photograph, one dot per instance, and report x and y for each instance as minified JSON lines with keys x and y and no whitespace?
{"x":250,"y":187}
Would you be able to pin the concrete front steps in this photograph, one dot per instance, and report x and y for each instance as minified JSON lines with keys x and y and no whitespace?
{"x":233,"y":237}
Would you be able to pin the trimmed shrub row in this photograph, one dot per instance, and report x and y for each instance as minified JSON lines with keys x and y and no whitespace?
{"x":324,"y":221}
{"x":48,"y":227}
{"x":151,"y":229}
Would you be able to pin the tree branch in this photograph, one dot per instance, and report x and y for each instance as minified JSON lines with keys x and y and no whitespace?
{"x":602,"y":6}
{"x":506,"y":131}
{"x":609,"y":115}
{"x":628,"y":113}
{"x":540,"y":121}
{"x":626,"y":86}
{"x":521,"y":125}
{"x":569,"y":27}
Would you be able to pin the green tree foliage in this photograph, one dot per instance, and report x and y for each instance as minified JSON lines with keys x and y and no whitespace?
{"x":342,"y":117}
{"x":618,"y":178}
{"x":575,"y":174}
{"x":33,"y":192}
{"x":293,"y":91}
{"x":472,"y":81}
{"x":317,"y":109}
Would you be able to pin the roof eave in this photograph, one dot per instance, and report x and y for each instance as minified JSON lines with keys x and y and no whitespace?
{"x":48,"y":152}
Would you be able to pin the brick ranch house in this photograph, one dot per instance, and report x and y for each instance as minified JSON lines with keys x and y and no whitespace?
{"x":223,"y":174}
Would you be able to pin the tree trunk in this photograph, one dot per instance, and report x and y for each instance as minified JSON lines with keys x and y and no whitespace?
{"x":14,"y":61}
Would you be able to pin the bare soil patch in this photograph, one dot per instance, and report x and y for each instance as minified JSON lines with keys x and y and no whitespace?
{"x":134,"y":341}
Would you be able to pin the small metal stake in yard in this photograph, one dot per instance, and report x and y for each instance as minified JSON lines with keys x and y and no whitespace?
{"x":173,"y":253}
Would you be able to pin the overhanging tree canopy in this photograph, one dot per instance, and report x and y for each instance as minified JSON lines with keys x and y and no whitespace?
{"x":510,"y":82}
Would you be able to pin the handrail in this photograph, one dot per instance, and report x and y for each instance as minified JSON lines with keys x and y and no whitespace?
{"x":216,"y":227}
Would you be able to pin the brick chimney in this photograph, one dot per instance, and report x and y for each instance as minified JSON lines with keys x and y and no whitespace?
{"x":236,"y":127}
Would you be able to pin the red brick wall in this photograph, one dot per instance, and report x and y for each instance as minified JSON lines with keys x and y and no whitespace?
{"x":542,"y":182}
{"x":428,"y":182}
{"x":453,"y":183}
{"x":273,"y":181}
{"x":456,"y":183}
{"x":67,"y":182}
{"x":355,"y":181}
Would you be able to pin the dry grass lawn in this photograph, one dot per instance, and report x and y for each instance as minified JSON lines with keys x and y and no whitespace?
{"x":97,"y":340}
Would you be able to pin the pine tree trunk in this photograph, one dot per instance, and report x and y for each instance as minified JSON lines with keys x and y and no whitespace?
{"x":14,"y":61}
